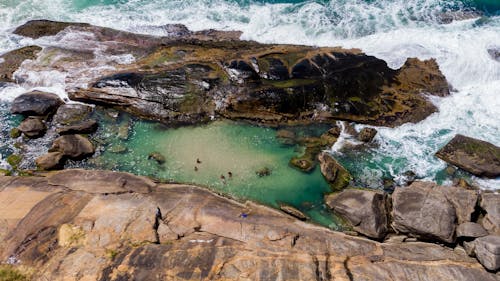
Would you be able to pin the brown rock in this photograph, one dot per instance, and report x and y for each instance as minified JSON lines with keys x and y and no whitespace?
{"x":32,"y":127}
{"x":424,"y":212}
{"x":40,"y":28}
{"x":490,"y":202}
{"x":85,"y":127}
{"x":365,"y":210}
{"x":336,"y":175}
{"x":73,"y":146}
{"x":293,"y":212}
{"x":367,"y":134}
{"x":51,"y":161}
{"x":487,"y":251}
{"x":475,"y":156}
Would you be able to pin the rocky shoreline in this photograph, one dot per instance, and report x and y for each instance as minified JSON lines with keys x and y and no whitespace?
{"x":102,"y":225}
{"x":99,"y":225}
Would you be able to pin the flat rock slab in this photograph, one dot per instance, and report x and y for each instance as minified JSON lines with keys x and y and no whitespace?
{"x":101,"y":182}
{"x":201,"y":237}
{"x":478,"y":157}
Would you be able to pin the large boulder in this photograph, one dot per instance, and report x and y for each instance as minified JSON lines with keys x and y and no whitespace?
{"x":32,"y":127}
{"x":487,"y":251}
{"x":422,"y":211}
{"x":336,"y":175}
{"x":74,"y":147}
{"x":36,"y":104}
{"x":490,"y":203}
{"x":475,"y":156}
{"x":365,"y":210}
{"x":71,"y":114}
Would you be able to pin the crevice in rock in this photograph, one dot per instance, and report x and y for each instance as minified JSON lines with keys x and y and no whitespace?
{"x":156,"y":225}
{"x":347,"y":270}
{"x":316,"y":267}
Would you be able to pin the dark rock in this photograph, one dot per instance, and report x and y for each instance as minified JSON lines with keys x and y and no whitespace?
{"x":293,"y":212}
{"x":367,"y":134}
{"x":51,"y":161}
{"x":487,"y":251}
{"x":490,"y":203}
{"x":494,"y":53}
{"x":450,"y":16}
{"x":336,"y":175}
{"x":85,"y":127}
{"x":71,"y":114}
{"x":264,"y":172}
{"x":12,"y":61}
{"x":475,"y":156}
{"x":40,"y":28}
{"x":157,"y":156}
{"x":32,"y":127}
{"x":73,"y":146}
{"x":422,"y":211}
{"x":471,"y":230}
{"x":36,"y":104}
{"x":365,"y":210}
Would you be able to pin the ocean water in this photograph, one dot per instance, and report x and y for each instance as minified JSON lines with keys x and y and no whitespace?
{"x":390,"y":29}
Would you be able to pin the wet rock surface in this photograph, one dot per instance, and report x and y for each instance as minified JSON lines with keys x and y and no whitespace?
{"x":336,"y":175}
{"x":12,"y":61}
{"x":472,"y":155}
{"x":36,"y":104}
{"x":62,"y":227}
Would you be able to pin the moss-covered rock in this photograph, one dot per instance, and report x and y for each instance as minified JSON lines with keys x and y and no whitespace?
{"x":14,"y":160}
{"x":15,"y":133}
{"x":336,"y":175}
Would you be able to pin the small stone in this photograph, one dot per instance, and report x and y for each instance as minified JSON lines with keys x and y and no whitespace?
{"x":264,"y":172}
{"x":488,"y":251}
{"x":32,"y":127}
{"x":471,"y":230}
{"x":14,"y":160}
{"x":157,"y":156}
{"x":15,"y":133}
{"x":367,"y":134}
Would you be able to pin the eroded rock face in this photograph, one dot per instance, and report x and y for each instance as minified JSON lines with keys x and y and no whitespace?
{"x":423,"y":212}
{"x":475,"y":156}
{"x":64,"y":231}
{"x":364,"y":209}
{"x":196,"y":75}
{"x":36,"y":104}
{"x":336,"y":175}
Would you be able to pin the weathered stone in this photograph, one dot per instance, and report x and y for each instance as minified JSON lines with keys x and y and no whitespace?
{"x":70,"y":114}
{"x":51,"y":161}
{"x":36,"y":104}
{"x":67,"y":233}
{"x":487,"y":251}
{"x":11,"y":61}
{"x":74,"y":147}
{"x":85,"y":127}
{"x":32,"y":127}
{"x":490,"y":202}
{"x":475,"y":156}
{"x":365,"y":210}
{"x":367,"y":134}
{"x":422,"y":211}
{"x":463,"y":200}
{"x":336,"y":175}
{"x":293,"y":212}
{"x":471,"y":230}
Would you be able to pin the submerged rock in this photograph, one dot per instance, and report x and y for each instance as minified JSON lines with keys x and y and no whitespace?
{"x":336,"y":175}
{"x":36,"y":104}
{"x":293,"y":212}
{"x":74,"y":147}
{"x":365,"y":210}
{"x":71,"y":114}
{"x":264,"y":172}
{"x":32,"y":127}
{"x":157,"y":156}
{"x":475,"y":156}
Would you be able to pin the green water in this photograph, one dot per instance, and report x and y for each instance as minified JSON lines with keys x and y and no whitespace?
{"x":221,"y":147}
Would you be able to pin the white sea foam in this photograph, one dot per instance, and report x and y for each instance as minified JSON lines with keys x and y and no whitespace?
{"x":390,"y":29}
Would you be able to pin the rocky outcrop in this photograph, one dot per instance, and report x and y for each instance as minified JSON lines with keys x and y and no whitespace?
{"x":365,"y":210}
{"x":36,"y":104}
{"x":191,"y":76}
{"x":96,"y":225}
{"x":11,"y":61}
{"x":336,"y":175}
{"x":475,"y":156}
